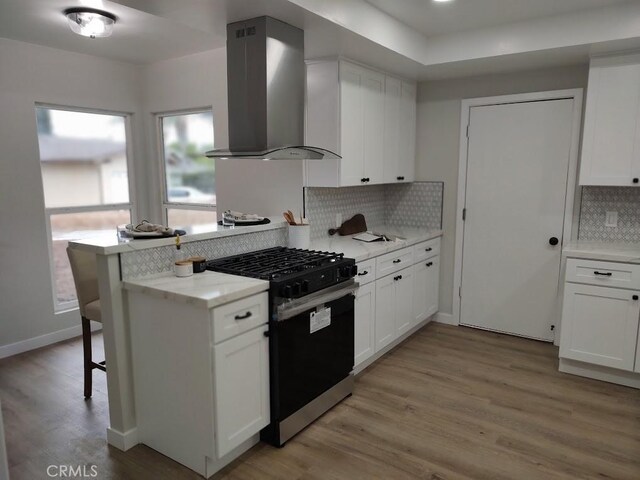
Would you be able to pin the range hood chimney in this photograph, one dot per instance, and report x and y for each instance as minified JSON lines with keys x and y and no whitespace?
{"x":265,"y":87}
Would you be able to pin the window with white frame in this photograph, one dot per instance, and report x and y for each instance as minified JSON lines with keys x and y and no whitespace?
{"x":85,"y":177}
{"x":188,"y":175}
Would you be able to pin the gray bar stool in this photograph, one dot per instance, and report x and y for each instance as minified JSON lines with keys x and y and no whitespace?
{"x":85,"y":277}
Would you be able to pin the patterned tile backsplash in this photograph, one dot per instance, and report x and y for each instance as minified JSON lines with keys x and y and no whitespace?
{"x":596,"y":201}
{"x":142,"y":263}
{"x":417,"y":204}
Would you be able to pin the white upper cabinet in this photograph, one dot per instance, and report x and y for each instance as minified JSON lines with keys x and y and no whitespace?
{"x":611,"y":138}
{"x":366,"y":117}
{"x":407,"y":151}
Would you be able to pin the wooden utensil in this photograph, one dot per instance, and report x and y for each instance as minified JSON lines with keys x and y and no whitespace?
{"x":289,"y":217}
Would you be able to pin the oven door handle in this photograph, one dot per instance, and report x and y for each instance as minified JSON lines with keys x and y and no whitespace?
{"x":296,"y":307}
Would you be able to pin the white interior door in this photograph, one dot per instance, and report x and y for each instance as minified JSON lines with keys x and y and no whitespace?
{"x":517,"y":167}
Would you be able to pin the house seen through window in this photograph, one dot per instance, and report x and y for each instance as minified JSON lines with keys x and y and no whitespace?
{"x":189,"y":197}
{"x":85,"y":177}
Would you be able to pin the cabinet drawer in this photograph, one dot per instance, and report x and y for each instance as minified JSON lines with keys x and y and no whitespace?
{"x":619,"y":275}
{"x":240,"y":316}
{"x":424,"y":250}
{"x":366,"y":271}
{"x":394,"y":261}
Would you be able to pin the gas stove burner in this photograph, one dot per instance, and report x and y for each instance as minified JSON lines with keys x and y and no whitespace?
{"x":291,"y":272}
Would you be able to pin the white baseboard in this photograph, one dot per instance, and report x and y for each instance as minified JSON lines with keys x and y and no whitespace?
{"x":122,"y":441}
{"x":447,"y":318}
{"x":611,"y":375}
{"x":44,"y":340}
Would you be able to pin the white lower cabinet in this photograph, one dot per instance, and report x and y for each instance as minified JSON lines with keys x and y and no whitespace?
{"x":394,"y":306}
{"x":241,"y":371}
{"x":365,"y":340}
{"x":600,"y":325}
{"x":426,"y":278}
{"x":385,"y":324}
{"x":404,"y":300}
{"x":395,"y":296}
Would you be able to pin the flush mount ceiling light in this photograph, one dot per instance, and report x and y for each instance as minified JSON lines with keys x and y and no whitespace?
{"x":90,"y":22}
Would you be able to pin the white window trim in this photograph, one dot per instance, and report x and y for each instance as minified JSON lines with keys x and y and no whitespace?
{"x":61,"y":307}
{"x":166,"y":205}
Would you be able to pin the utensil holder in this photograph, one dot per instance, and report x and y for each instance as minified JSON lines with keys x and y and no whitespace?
{"x":299,"y":236}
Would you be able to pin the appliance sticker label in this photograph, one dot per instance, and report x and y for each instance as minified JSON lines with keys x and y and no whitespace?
{"x":320,"y":320}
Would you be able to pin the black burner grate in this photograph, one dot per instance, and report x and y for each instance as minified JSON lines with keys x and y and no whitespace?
{"x":273,"y":263}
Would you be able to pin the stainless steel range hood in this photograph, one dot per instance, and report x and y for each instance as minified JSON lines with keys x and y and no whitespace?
{"x":265,"y":86}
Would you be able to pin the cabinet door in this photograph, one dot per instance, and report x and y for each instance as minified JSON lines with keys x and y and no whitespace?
{"x":364,"y":323}
{"x":433,"y":286}
{"x":351,"y":123}
{"x":385,"y":329}
{"x":404,"y":300}
{"x":599,"y":325}
{"x":407,"y":152}
{"x":241,"y":388}
{"x":392,"y":92}
{"x":610,"y":146}
{"x":373,"y":124}
{"x":426,"y":280}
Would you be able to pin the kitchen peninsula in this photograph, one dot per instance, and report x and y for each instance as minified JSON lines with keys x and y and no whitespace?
{"x":144,"y":266}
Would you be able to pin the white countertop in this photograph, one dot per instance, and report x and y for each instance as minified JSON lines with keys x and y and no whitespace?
{"x":610,"y":252}
{"x":362,"y":250}
{"x":206,"y":289}
{"x":109,"y":244}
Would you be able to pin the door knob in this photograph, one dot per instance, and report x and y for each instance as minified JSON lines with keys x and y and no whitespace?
{"x":553,"y":241}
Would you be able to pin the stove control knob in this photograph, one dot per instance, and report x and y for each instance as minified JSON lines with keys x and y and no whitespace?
{"x":354,"y":270}
{"x":287,"y":291}
{"x":296,"y":288}
{"x":305,"y":286}
{"x":344,"y":272}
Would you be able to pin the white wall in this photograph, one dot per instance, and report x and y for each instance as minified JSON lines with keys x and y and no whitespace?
{"x":438,"y":137}
{"x":200,"y":80}
{"x":31,"y":74}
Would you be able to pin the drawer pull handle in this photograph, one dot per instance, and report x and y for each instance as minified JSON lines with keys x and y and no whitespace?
{"x":635,"y":297}
{"x":400,"y":178}
{"x":397,"y":261}
{"x":607,"y":274}
{"x":429,"y":264}
{"x":243,"y":317}
{"x":428,"y":249}
{"x":399,"y":277}
{"x":362,"y":274}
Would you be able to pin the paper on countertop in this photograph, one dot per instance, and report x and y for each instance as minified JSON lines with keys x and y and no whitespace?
{"x":369,"y":237}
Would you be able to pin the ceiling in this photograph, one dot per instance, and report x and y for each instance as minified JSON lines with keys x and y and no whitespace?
{"x":432,"y":18}
{"x":373,"y":32}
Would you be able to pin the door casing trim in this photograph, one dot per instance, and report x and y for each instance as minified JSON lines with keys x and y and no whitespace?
{"x":572,"y":198}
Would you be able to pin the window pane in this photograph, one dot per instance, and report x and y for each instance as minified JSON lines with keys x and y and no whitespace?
{"x":83,"y":158}
{"x":76,"y":226}
{"x":178,"y":217}
{"x":189,"y":174}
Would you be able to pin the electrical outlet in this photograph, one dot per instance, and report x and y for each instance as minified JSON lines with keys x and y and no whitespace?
{"x":611,"y":219}
{"x":338,"y":219}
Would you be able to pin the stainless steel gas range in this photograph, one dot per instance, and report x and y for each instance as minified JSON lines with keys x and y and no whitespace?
{"x":311,"y":331}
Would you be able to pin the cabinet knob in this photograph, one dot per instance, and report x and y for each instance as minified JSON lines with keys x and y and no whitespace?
{"x":635,"y":180}
{"x":363,"y":180}
{"x":400,"y":178}
{"x":553,"y":241}
{"x":635,"y":297}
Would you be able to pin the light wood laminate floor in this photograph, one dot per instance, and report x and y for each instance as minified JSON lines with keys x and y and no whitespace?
{"x":450,"y":403}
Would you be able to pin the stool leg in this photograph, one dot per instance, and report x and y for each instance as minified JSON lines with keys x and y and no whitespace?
{"x":86,"y":346}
